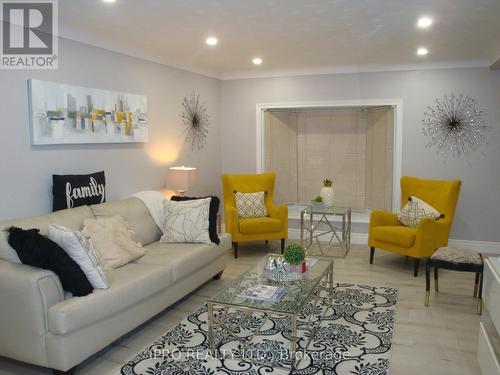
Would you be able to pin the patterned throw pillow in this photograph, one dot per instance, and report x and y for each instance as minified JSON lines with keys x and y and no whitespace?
{"x":82,"y":251}
{"x":250,"y":204}
{"x":416,"y":210}
{"x":186,"y":221}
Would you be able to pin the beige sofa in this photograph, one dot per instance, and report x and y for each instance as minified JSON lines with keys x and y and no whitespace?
{"x":44,"y":325}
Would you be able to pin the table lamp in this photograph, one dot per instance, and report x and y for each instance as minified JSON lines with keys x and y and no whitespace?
{"x":181,"y":179}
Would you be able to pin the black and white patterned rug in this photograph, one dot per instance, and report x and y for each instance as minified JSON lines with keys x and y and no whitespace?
{"x":354,"y":337}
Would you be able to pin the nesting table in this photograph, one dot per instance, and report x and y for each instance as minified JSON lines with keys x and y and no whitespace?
{"x":311,"y":229}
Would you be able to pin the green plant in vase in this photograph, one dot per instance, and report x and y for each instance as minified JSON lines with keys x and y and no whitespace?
{"x":294,"y":255}
{"x":318,"y":199}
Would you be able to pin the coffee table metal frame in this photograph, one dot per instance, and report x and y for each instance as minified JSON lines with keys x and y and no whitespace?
{"x":220,"y":322}
{"x":310,"y":232}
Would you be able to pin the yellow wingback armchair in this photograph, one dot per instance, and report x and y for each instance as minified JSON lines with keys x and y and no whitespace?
{"x":387,"y":232}
{"x":274,"y":226}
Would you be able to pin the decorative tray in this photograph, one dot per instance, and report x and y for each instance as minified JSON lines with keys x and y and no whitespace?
{"x":283,"y":275}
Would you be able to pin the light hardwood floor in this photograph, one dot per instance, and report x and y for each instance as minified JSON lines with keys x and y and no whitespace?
{"x":434,"y":340}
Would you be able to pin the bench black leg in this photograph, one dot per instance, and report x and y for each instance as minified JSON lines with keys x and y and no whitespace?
{"x":282,"y":247}
{"x":436,"y":279}
{"x":372,"y":253}
{"x":415,"y":268}
{"x":480,"y":297}
{"x":235,"y":249}
{"x":476,"y":285}
{"x":427,"y":281}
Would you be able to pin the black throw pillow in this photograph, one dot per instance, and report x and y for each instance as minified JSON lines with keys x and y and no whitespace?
{"x":212,"y":215}
{"x":78,"y":190}
{"x":39,"y":251}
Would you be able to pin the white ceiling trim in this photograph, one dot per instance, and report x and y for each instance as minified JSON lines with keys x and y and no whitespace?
{"x":346,"y":69}
{"x":355,"y":69}
{"x":85,"y":39}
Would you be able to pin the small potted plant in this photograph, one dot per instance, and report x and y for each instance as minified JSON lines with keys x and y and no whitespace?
{"x":294,"y":255}
{"x":318,"y":200}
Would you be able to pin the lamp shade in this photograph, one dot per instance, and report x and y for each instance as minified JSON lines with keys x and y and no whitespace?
{"x":181,"y":178}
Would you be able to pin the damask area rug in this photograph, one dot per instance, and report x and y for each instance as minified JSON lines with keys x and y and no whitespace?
{"x":349,"y":334}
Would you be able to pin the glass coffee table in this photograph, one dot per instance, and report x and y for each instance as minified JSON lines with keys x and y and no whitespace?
{"x":297,"y":294}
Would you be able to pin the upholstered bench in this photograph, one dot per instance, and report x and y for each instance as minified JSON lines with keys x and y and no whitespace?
{"x":455,"y":259}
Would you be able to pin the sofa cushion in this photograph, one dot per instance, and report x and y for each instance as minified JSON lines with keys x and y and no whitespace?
{"x":112,"y":240}
{"x":135,"y":214}
{"x":260,"y":225}
{"x":128,"y":286}
{"x":184,"y":258}
{"x":398,"y":235}
{"x":72,"y":218}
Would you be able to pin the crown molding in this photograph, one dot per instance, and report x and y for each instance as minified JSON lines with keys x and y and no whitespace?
{"x":349,"y":69}
{"x":251,"y":74}
{"x":86,"y":39}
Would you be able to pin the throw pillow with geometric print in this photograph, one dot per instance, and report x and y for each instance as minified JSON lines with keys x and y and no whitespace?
{"x":250,"y":204}
{"x":415,"y":210}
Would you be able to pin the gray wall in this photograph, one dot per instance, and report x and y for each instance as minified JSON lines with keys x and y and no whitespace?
{"x":25,"y":171}
{"x":479,"y":205}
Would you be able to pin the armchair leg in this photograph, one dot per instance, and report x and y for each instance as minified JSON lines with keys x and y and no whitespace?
{"x":282,"y":247}
{"x":427,"y":281}
{"x":415,"y":267}
{"x":235,"y":249}
{"x":372,"y":253}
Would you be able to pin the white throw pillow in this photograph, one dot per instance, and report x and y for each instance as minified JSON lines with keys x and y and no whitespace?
{"x":416,"y":210}
{"x":186,"y":221}
{"x":81,"y":250}
{"x":250,"y":204}
{"x":113,"y":241}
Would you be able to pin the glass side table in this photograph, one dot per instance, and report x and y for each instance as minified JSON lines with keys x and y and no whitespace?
{"x":311,"y":231}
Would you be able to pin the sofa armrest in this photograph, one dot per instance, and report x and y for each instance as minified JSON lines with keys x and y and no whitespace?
{"x":380,"y":218}
{"x":26,"y":293}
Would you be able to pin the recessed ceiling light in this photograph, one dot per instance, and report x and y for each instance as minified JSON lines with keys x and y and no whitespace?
{"x":257,"y":61}
{"x":109,"y":1}
{"x":424,"y":22}
{"x":211,"y":41}
{"x":422,"y":51}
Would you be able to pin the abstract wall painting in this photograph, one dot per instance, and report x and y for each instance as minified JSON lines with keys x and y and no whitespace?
{"x":67,"y":114}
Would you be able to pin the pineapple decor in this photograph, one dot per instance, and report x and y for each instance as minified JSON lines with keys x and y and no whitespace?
{"x":327,"y":193}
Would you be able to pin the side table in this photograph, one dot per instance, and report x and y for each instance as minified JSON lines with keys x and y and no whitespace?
{"x":310,"y":230}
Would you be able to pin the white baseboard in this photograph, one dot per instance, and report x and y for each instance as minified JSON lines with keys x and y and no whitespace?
{"x":479,"y":246}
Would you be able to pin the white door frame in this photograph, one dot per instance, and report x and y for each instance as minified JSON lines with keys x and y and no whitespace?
{"x":398,"y":132}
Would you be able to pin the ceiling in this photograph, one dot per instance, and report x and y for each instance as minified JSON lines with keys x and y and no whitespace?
{"x":291,"y":36}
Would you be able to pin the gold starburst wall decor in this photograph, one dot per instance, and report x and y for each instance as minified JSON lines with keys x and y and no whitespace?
{"x":455,"y":126}
{"x":196,"y":120}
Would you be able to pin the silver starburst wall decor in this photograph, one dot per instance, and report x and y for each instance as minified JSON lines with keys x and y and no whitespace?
{"x":196,"y":120}
{"x":455,"y":126}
